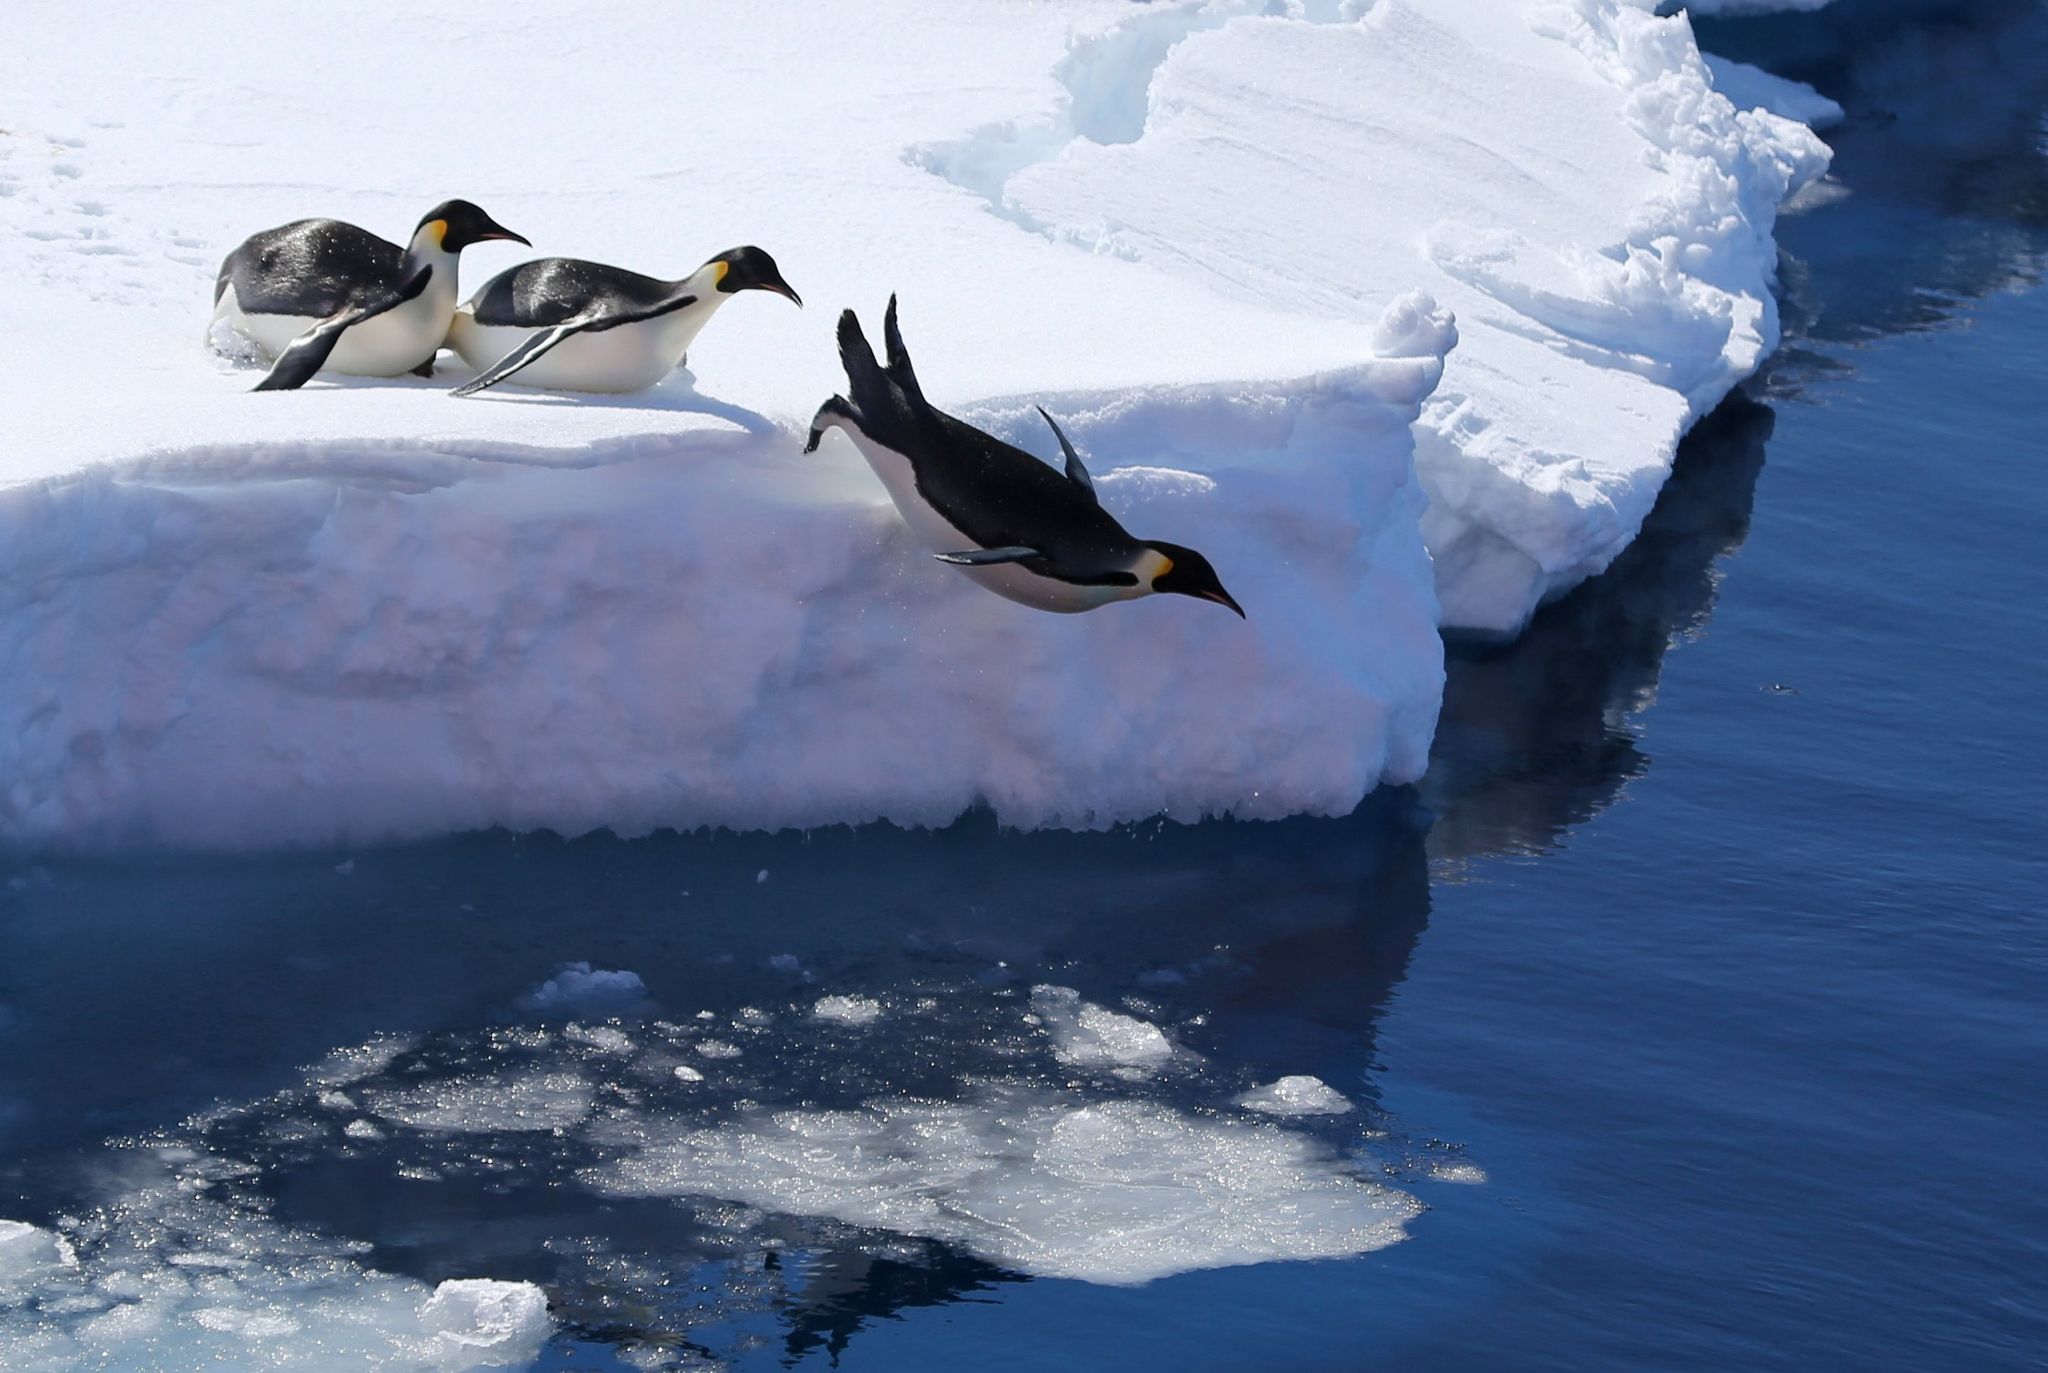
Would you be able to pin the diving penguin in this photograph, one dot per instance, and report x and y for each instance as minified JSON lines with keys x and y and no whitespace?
{"x":572,"y":325}
{"x":318,"y":293}
{"x":1013,"y":523}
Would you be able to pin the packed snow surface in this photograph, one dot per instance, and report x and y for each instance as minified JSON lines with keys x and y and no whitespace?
{"x":1225,"y":243}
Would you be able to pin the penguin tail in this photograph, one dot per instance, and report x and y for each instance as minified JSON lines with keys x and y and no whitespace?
{"x":876,"y":401}
{"x":863,"y":373}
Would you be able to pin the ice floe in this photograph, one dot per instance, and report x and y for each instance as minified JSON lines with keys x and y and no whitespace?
{"x":1513,"y":248}
{"x":1113,"y":1192}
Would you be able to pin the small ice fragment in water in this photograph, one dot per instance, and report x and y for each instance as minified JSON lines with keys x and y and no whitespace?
{"x":1300,"y":1095}
{"x":509,"y":1101}
{"x":485,"y":1322}
{"x":345,"y":867}
{"x":24,"y":1248}
{"x":580,"y":986}
{"x":718,"y":1048}
{"x":786,"y":963}
{"x":1466,"y":1174}
{"x":250,"y":1325}
{"x":1086,"y":1035}
{"x":604,"y":1037}
{"x":685,"y":1073}
{"x":359,"y":1061}
{"x":362,"y":1129}
{"x":848,"y":1010}
{"x":760,"y":877}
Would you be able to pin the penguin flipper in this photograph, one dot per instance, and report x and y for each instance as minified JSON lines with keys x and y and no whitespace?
{"x":535,"y":345}
{"x":308,"y":353}
{"x":989,"y":557}
{"x":528,"y":350}
{"x":1076,"y":473}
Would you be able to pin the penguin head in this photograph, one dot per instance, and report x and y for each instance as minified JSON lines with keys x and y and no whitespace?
{"x":461,"y":224}
{"x":1188,"y":573}
{"x":749,"y":269}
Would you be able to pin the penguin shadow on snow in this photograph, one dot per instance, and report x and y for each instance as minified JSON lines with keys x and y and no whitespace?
{"x":676,"y":393}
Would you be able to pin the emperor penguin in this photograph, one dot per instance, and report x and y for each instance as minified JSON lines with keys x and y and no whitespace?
{"x":318,"y":293}
{"x":571,"y":325}
{"x":1013,"y":523}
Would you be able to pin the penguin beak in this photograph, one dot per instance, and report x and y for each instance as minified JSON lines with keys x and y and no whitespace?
{"x":1223,"y":598}
{"x":496,"y":231}
{"x":781,"y":288}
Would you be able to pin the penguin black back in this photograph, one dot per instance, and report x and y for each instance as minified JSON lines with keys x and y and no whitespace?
{"x":311,"y":267}
{"x":551,"y":290}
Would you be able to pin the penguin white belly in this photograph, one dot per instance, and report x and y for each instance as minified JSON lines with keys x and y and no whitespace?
{"x":1008,"y":580}
{"x":631,"y":357}
{"x":386,"y":345}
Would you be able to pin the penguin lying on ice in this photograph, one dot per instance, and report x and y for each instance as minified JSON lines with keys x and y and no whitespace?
{"x":1011,"y":522}
{"x":318,"y":293}
{"x":582,"y":326}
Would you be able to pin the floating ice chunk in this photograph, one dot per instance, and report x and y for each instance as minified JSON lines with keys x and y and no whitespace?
{"x":605,"y":1038}
{"x":685,"y":1073}
{"x":174,"y":1280}
{"x":578,"y":986}
{"x":718,"y":1048}
{"x":1299,"y":1095}
{"x":362,"y":1129}
{"x":359,"y":1061}
{"x":509,"y":1101}
{"x":1753,"y":88}
{"x":1052,"y":1185}
{"x":1469,"y":1174}
{"x":24,"y":1248}
{"x":848,"y":1010}
{"x":484,"y":1323}
{"x":1086,"y":1035}
{"x":250,"y":1325}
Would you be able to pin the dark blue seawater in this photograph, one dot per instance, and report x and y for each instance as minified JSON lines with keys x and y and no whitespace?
{"x":1714,"y":941}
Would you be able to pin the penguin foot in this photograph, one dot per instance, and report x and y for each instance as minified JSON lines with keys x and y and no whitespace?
{"x":425,"y":369}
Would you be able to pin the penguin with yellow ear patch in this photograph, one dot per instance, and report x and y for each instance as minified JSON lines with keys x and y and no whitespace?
{"x":318,"y":294}
{"x":572,"y":325}
{"x":1011,"y":522}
